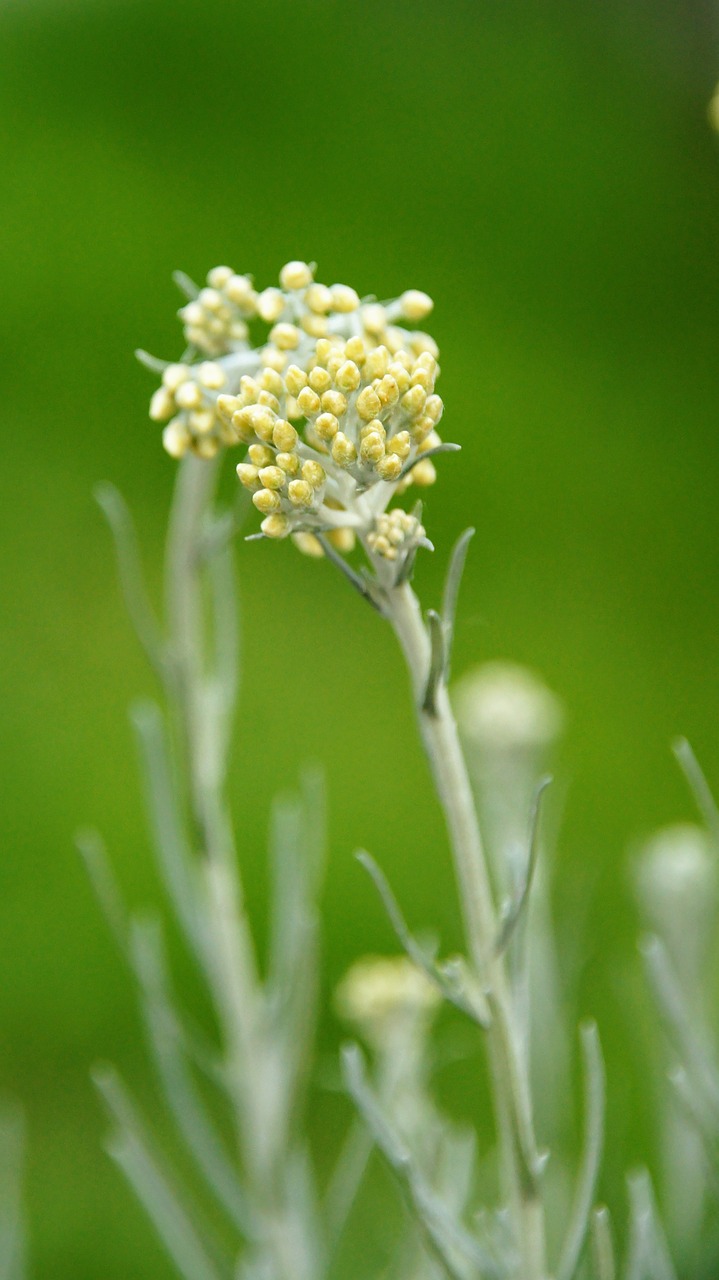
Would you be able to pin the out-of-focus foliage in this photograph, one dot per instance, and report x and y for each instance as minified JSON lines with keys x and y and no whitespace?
{"x":547,"y":174}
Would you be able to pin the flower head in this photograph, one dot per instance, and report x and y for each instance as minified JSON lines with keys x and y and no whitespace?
{"x":335,"y":404}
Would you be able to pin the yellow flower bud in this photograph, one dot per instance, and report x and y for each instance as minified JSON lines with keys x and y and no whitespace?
{"x":176,"y":438}
{"x":211,"y":375}
{"x":368,"y":403}
{"x":314,"y":473}
{"x":314,"y":325}
{"x":289,"y":462}
{"x":295,"y":379}
{"x":343,"y":539}
{"x":275,"y":526}
{"x":348,"y":376}
{"x":226,"y":406}
{"x":387,"y":390}
{"x":268,"y":400}
{"x":219,"y":276}
{"x":271,"y":380}
{"x":326,"y":426}
{"x":308,"y":544}
{"x":284,"y":435}
{"x":261,"y":420}
{"x":260,"y":455}
{"x":300,"y":493}
{"x":318,"y":298}
{"x":308,"y":401}
{"x":413,"y":401}
{"x":267,"y":501}
{"x":423,"y":473}
{"x":389,"y":467}
{"x":334,"y":402}
{"x":239,"y":290}
{"x":272,"y":477}
{"x":295,"y":275}
{"x":356,"y":350}
{"x":344,"y":299}
{"x":162,"y":405}
{"x":202,"y":421}
{"x":400,"y":444}
{"x":376,"y":364}
{"x":415,"y":304}
{"x":319,"y":380}
{"x":343,"y":450}
{"x":434,"y":408}
{"x":248,"y":475}
{"x":174,"y":376}
{"x":188,"y":396}
{"x":249,"y":388}
{"x":285,"y":336}
{"x":372,"y":447}
{"x":374,"y":319}
{"x":270,"y":305}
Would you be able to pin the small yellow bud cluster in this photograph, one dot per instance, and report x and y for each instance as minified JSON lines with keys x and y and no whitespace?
{"x":377,"y":990}
{"x":188,"y":398}
{"x":215,"y":321}
{"x":336,"y":404}
{"x":372,"y":411}
{"x":395,"y":534}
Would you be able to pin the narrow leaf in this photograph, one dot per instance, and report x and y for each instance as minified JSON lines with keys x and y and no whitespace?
{"x":517,"y":907}
{"x":699,"y":786}
{"x":453,"y":581}
{"x":605,"y":1266}
{"x":185,"y":284}
{"x":92,"y":849}
{"x":594,"y":1091}
{"x":437,"y":662}
{"x":648,"y":1257}
{"x":445,"y":447}
{"x":132,"y":581}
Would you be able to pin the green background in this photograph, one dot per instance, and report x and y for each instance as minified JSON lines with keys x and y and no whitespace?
{"x":546,"y":172}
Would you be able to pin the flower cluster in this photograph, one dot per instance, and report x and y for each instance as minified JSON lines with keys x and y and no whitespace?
{"x":336,"y":404}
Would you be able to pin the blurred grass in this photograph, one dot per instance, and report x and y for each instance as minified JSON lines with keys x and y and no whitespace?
{"x":545,"y":171}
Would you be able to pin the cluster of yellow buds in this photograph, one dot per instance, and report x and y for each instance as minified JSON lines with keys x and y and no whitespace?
{"x":379,"y":991}
{"x":336,"y":402}
{"x":188,"y":398}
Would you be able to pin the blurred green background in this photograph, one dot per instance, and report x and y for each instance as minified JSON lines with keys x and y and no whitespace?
{"x":546,"y":172}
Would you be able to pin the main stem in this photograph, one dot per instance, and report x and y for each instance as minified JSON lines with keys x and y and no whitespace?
{"x":510,"y":1085}
{"x":198,"y":697}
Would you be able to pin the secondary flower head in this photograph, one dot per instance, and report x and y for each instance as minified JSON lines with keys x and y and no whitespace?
{"x":333,"y":398}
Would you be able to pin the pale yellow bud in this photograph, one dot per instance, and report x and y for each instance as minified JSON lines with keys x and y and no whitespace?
{"x":400,"y":444}
{"x":239,"y":290}
{"x":413,"y":401}
{"x":421,"y":428}
{"x":174,"y":376}
{"x":323,"y":350}
{"x":202,"y":420}
{"x":219,"y":276}
{"x":270,"y":380}
{"x":273,"y":358}
{"x":430,"y":442}
{"x":188,"y":396}
{"x":343,"y":450}
{"x":176,"y":438}
{"x":295,"y":379}
{"x":295,"y":275}
{"x":376,"y":364}
{"x":308,"y":401}
{"x":334,"y":402}
{"x":434,"y":408}
{"x":420,"y":342}
{"x":326,"y":426}
{"x":205,"y":447}
{"x":374,"y":319}
{"x":373,"y":426}
{"x":356,"y":350}
{"x":380,"y":544}
{"x":261,"y":420}
{"x":314,"y":325}
{"x":423,"y":378}
{"x":226,"y":406}
{"x":284,"y":436}
{"x":300,"y":493}
{"x":250,"y":389}
{"x":260,"y":455}
{"x":162,"y":405}
{"x":248,"y":475}
{"x":271,"y":402}
{"x":318,"y":298}
{"x":344,"y":299}
{"x":343,"y":539}
{"x":348,"y":376}
{"x":415,"y":304}
{"x":238,"y":330}
{"x":289,"y":462}
{"x":275,"y":526}
{"x":320,"y":380}
{"x":400,"y":375}
{"x":267,"y":501}
{"x":372,"y":447}
{"x":424,"y":473}
{"x":368,"y":403}
{"x":313,"y":473}
{"x":285,"y":336}
{"x":272,"y":477}
{"x":193,"y":314}
{"x":308,"y":544}
{"x":270,"y":305}
{"x":389,"y":467}
{"x":211,"y":375}
{"x":210,"y":299}
{"x":387,"y":390}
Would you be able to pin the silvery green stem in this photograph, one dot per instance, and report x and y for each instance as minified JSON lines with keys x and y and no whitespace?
{"x":201,"y":688}
{"x":512,"y":1104}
